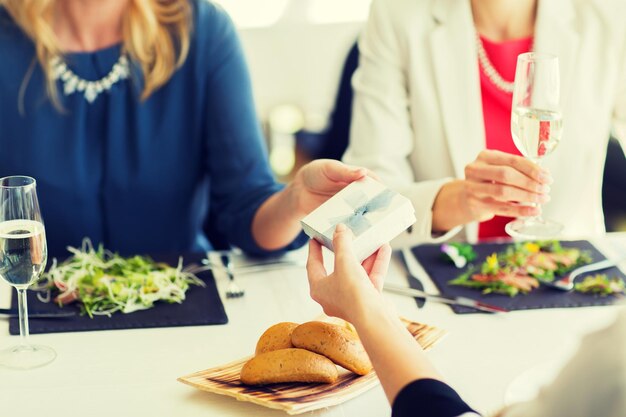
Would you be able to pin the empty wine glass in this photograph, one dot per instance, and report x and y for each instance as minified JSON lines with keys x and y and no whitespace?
{"x":23,"y":257}
{"x":536,"y":126}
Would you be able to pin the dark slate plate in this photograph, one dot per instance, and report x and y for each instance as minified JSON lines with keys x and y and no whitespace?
{"x":441,"y":272}
{"x":202,"y":306}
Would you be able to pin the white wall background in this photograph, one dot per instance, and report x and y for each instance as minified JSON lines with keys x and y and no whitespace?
{"x":295,"y":50}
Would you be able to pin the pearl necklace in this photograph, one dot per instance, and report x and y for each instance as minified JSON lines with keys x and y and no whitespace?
{"x":491,"y":73}
{"x":91,"y":89}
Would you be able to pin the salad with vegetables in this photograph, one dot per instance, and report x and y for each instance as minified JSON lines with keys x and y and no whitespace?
{"x":104,"y":282}
{"x":521,"y":267}
{"x":600,"y":284}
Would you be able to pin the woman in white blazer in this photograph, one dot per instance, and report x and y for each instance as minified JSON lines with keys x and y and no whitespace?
{"x":418,"y":120}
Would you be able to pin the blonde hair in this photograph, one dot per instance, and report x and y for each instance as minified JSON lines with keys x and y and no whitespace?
{"x":156,"y":36}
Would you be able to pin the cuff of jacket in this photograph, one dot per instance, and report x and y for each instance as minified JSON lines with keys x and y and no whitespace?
{"x":429,"y":398}
{"x":422,"y":195}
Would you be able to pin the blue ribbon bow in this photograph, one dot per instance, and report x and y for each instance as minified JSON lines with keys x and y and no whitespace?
{"x":357,"y":220}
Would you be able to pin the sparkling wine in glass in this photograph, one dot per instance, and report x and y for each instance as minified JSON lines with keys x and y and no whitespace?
{"x":536,"y":127}
{"x":23,"y":257}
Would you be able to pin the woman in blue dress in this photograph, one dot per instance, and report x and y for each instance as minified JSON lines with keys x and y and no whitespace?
{"x":136,"y":118}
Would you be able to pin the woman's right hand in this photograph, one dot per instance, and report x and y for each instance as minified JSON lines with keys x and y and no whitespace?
{"x":495,"y":183}
{"x":353,"y":288}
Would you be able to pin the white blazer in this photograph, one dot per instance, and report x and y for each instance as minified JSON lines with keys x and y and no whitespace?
{"x":417,"y":115}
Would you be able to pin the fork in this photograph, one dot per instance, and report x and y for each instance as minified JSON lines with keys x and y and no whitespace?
{"x":233,"y":290}
{"x":567,"y":282}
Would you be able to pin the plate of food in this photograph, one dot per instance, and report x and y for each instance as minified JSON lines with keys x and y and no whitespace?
{"x":108,"y":291}
{"x":516,"y":276}
{"x":302,"y":367}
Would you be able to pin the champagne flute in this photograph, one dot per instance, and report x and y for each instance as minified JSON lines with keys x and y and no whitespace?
{"x":536,"y":127}
{"x":23,"y":257}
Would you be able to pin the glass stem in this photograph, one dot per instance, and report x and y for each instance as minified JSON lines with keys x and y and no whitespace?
{"x":538,"y":216}
{"x":22,"y":308}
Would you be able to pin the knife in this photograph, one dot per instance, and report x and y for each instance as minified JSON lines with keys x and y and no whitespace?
{"x":410,"y":263}
{"x":12,"y":312}
{"x":253,"y":267}
{"x":460,"y":301}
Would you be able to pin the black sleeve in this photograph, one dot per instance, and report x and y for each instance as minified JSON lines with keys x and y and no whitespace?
{"x":429,"y":398}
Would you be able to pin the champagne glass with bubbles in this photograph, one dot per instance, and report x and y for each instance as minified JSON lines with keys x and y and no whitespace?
{"x":536,"y":127}
{"x":23,"y":256}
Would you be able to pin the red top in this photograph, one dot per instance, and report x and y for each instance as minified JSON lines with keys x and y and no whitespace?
{"x":497,"y":111}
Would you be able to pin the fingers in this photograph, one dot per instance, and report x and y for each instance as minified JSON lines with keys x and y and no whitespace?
{"x":315,"y":262}
{"x":339,"y":172}
{"x":497,"y":182}
{"x":504,"y":174}
{"x":497,"y":177}
{"x":368,"y":263}
{"x":519,"y":163}
{"x":342,"y":243}
{"x":376,"y":266}
{"x":491,"y":207}
{"x":505,"y":193}
{"x":380,"y":266}
{"x":374,"y":175}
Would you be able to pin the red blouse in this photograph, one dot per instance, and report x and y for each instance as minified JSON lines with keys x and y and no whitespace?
{"x":497,"y":112}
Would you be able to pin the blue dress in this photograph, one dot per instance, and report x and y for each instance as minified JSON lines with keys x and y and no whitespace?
{"x":140,"y":177}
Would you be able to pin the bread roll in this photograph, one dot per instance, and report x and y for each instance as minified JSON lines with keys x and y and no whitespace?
{"x":288,"y":365}
{"x":276,"y":337}
{"x":338,"y":343}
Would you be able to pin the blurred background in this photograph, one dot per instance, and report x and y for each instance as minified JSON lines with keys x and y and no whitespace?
{"x":301,"y":54}
{"x":296,"y":50}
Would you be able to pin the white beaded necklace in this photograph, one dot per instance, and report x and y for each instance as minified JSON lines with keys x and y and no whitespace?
{"x":491,"y":73}
{"x":91,"y":89}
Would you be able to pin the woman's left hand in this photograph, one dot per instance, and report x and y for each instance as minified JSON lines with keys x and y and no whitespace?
{"x":277,"y":222}
{"x":319,"y":180}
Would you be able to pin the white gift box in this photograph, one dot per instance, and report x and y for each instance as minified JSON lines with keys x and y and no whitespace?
{"x":373,"y":212}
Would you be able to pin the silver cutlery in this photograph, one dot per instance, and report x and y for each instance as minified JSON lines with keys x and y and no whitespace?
{"x":251,"y":267}
{"x":233,"y":290}
{"x":12,"y":312}
{"x":567,"y":282}
{"x":460,"y":301}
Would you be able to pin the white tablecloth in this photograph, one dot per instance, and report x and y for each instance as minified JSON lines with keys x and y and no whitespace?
{"x":133,"y":372}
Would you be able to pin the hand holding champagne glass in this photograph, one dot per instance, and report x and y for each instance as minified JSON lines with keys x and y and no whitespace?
{"x":23,"y":257}
{"x":536,"y":126}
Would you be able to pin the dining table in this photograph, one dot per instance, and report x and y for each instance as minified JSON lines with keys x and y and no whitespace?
{"x":490,"y":359}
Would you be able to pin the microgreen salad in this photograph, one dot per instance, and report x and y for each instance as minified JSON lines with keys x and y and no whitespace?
{"x":104,"y":282}
{"x":600,"y":284}
{"x":521,"y":266}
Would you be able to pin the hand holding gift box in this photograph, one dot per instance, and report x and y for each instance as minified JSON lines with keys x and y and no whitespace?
{"x":374,"y":213}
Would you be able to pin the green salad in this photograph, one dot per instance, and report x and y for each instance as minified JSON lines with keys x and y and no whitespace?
{"x":521,"y":266}
{"x":600,"y":284}
{"x":104,"y":282}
